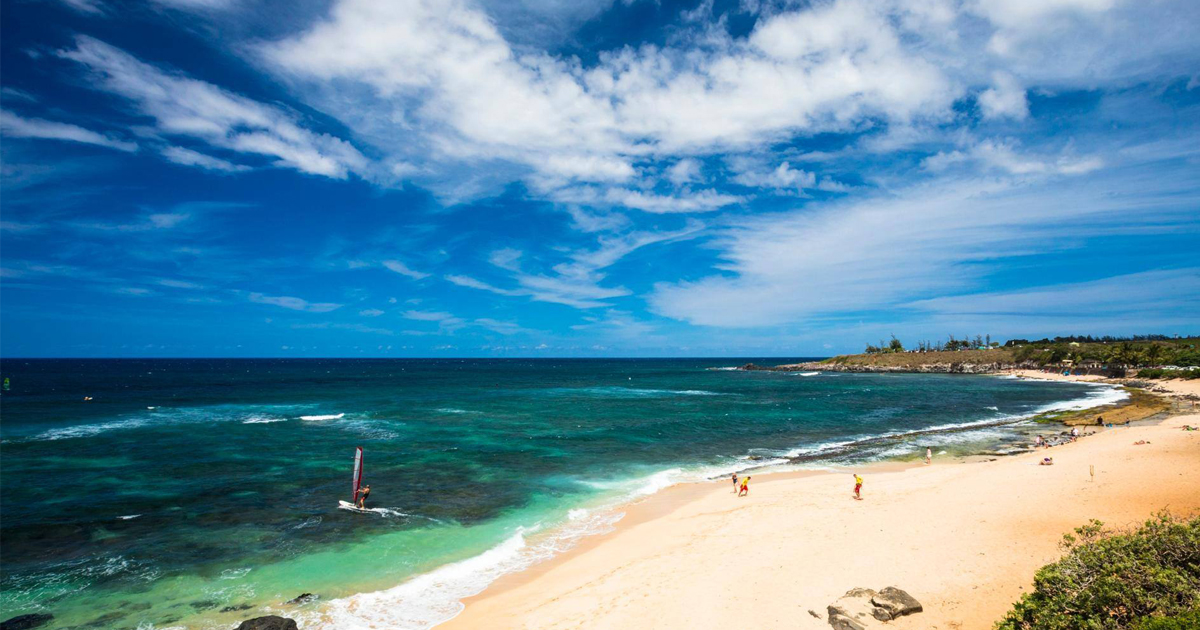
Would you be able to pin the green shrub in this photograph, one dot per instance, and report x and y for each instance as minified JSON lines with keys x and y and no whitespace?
{"x":1186,"y":621}
{"x":1114,"y":580}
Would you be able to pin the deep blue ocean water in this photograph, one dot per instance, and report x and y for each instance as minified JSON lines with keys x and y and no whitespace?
{"x":193,"y":493}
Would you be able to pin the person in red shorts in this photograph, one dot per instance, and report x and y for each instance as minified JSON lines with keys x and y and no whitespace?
{"x":857,"y":487}
{"x":745,"y":491}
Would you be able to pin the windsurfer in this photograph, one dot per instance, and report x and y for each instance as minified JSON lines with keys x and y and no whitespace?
{"x":364,"y":491}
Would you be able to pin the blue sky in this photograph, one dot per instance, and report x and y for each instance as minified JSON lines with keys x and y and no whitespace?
{"x":572,"y":178}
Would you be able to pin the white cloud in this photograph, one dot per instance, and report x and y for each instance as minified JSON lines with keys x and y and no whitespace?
{"x":370,"y":312}
{"x":783,"y":176}
{"x":922,"y":241}
{"x":427,"y":316}
{"x":701,"y":201}
{"x":15,"y":126}
{"x":575,"y":283}
{"x":293,"y":303}
{"x":93,"y":7}
{"x":197,"y":5}
{"x":439,"y":80}
{"x":684,"y":171}
{"x":188,"y":157}
{"x":1137,"y":293}
{"x":1005,"y":99}
{"x":182,"y":106}
{"x":404,"y":270}
{"x":501,"y":327}
{"x":179,"y":284}
{"x":1005,"y":156}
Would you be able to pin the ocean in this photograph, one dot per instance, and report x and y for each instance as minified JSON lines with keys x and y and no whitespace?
{"x":199,"y":493}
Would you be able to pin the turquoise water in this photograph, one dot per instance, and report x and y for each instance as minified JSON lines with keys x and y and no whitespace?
{"x":192,"y":493}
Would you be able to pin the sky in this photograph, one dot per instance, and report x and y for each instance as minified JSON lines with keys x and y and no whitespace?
{"x":571,"y":178}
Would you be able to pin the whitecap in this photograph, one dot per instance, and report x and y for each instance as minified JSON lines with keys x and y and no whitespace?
{"x":336,"y":416}
{"x":263,"y":420}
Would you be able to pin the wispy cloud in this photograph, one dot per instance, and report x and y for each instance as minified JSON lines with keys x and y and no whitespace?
{"x":577,"y":282}
{"x":879,"y":253}
{"x":15,"y":126}
{"x":186,"y":107}
{"x":404,"y":270}
{"x":188,"y":157}
{"x":294,"y":303}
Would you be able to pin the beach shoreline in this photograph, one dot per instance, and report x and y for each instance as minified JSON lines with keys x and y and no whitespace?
{"x":697,"y":543}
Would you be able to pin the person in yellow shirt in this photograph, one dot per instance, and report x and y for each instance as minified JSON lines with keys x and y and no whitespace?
{"x":857,"y":487}
{"x":745,"y":486}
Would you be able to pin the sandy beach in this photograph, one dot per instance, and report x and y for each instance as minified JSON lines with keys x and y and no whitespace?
{"x":963,"y":537}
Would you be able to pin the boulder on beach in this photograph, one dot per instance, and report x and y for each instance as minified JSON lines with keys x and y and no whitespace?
{"x":896,"y":602}
{"x":861,"y":608}
{"x":270,"y":622}
{"x":23,"y":622}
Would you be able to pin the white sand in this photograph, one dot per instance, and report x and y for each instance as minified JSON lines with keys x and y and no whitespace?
{"x":963,"y":538}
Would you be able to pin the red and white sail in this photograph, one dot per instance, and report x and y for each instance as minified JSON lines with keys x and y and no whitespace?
{"x":357,"y":474}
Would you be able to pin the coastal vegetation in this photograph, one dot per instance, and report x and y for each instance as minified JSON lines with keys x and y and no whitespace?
{"x":1158,"y":356}
{"x":1147,"y":579}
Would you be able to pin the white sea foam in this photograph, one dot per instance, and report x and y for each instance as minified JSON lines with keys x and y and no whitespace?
{"x":633,"y":392}
{"x":808,"y":374}
{"x":452,"y":410}
{"x":723,"y":369}
{"x":88,"y":430}
{"x":263,"y":420}
{"x":129,"y":517}
{"x":993,"y":408}
{"x":334,"y":416}
{"x":432,"y":598}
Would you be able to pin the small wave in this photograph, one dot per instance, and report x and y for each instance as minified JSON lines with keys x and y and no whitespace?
{"x":432,"y":598}
{"x":807,"y":373}
{"x":311,"y":521}
{"x":335,"y":416}
{"x":723,"y":369}
{"x":631,"y":392}
{"x":263,"y":420}
{"x":993,"y":408}
{"x":88,"y":430}
{"x":234,"y":574}
{"x":129,"y":517}
{"x":452,"y":410}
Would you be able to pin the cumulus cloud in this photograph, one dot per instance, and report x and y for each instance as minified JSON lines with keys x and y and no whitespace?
{"x":186,"y":107}
{"x":15,"y":126}
{"x":1005,"y":99}
{"x":444,"y":68}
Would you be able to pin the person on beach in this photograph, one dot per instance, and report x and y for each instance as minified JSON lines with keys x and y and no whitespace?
{"x":1039,"y":441}
{"x":735,"y":483}
{"x":857,"y":487}
{"x":745,"y":491}
{"x":928,"y":456}
{"x":362,"y":502}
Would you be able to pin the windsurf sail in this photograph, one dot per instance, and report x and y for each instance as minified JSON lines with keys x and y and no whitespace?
{"x":357,"y":473}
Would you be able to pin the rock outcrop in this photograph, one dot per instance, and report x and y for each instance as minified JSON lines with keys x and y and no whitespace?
{"x":302,"y":598}
{"x":24,"y":622}
{"x":270,"y":622}
{"x":861,"y":608}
